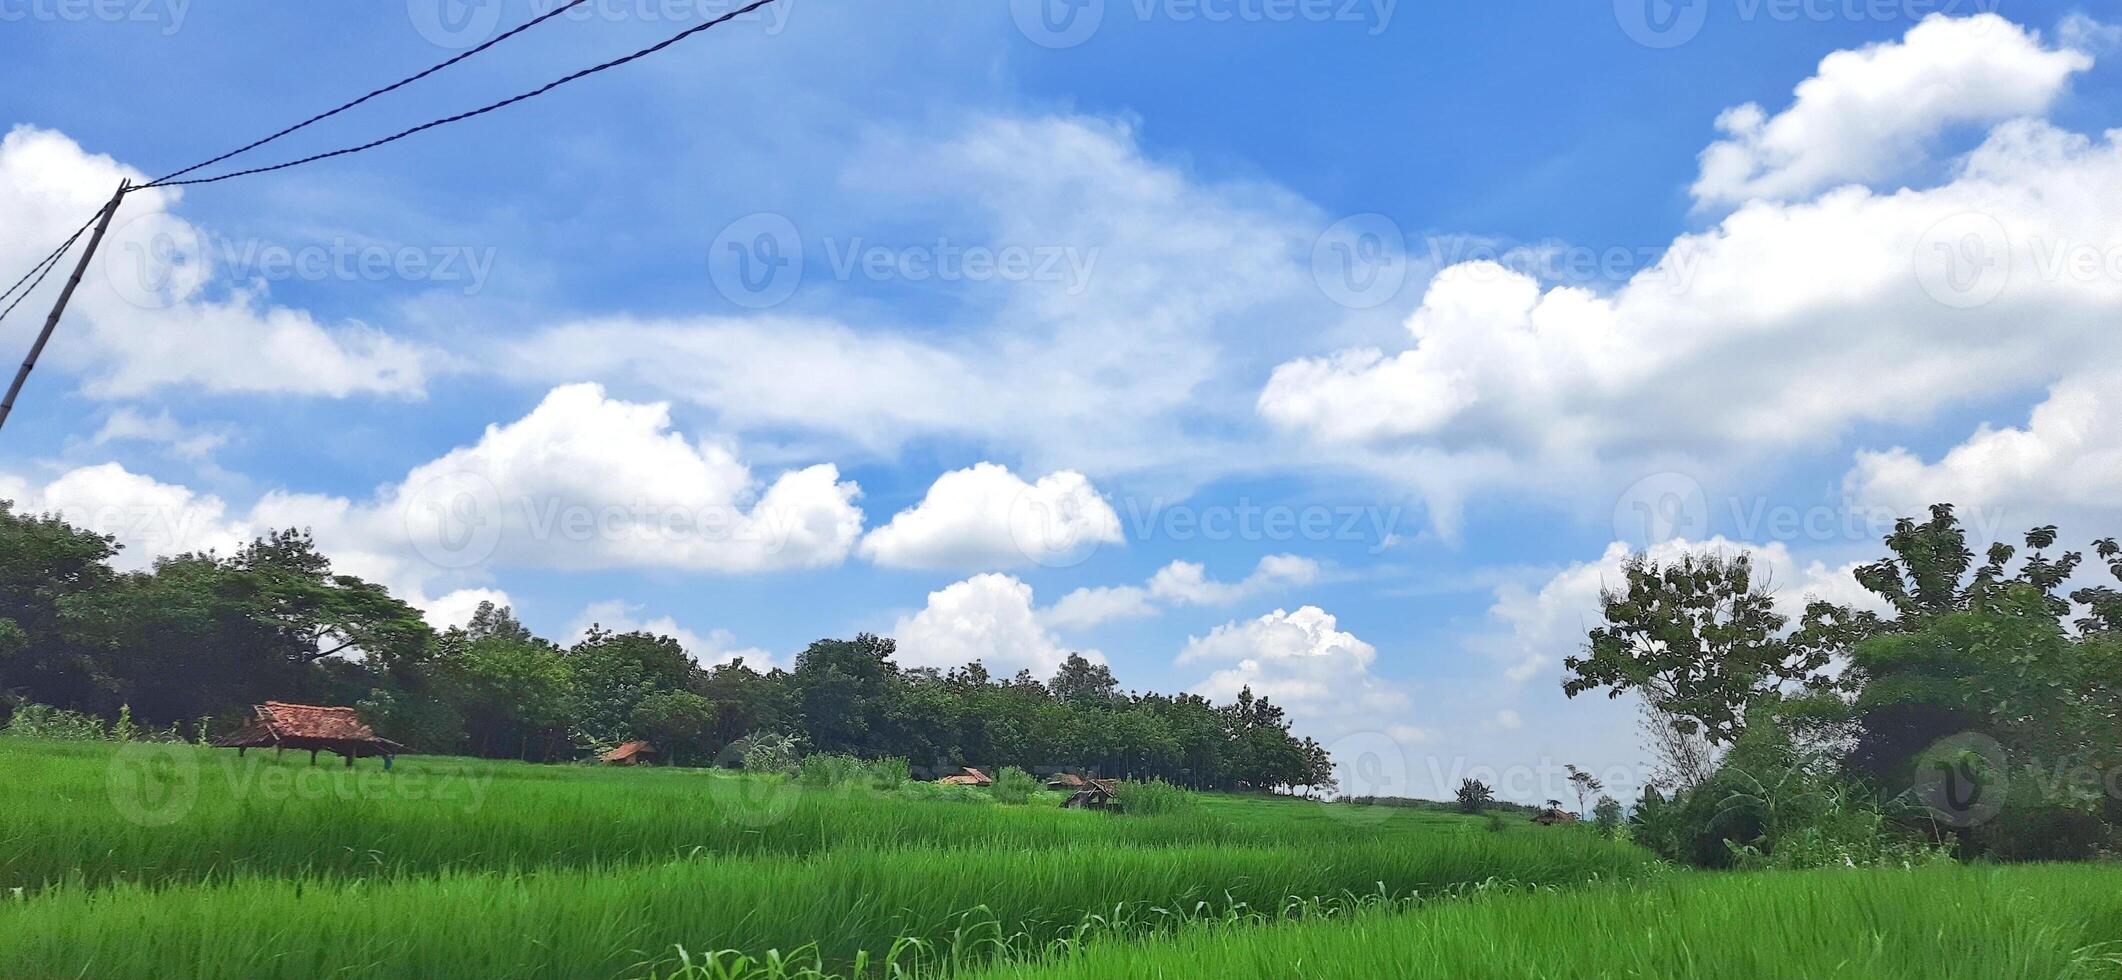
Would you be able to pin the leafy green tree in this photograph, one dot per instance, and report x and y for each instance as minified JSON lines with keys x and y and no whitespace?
{"x":1083,"y":684}
{"x":43,"y":560}
{"x":1699,"y":636}
{"x":1584,"y":783}
{"x":318,"y":614}
{"x":1606,"y":815}
{"x":614,"y":672}
{"x":185,"y":640}
{"x":680,"y":724}
{"x":515,"y":694}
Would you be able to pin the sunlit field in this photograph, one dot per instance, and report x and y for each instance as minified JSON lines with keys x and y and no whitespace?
{"x":159,"y":860}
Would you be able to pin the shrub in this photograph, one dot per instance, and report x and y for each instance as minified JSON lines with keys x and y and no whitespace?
{"x":769,"y":752}
{"x":1013,"y":785}
{"x":2042,"y":833}
{"x":831,"y":770}
{"x":57,"y":724}
{"x":1154,"y":796}
{"x":889,"y":774}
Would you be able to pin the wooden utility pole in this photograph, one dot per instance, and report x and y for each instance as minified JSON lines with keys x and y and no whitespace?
{"x":103,"y":223}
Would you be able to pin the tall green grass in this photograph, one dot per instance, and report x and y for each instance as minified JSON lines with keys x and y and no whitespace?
{"x":624,"y":922}
{"x":99,"y":813}
{"x":1936,"y":923}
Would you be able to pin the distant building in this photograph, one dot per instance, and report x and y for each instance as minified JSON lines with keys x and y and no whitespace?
{"x":967,"y":776}
{"x":631,"y":754}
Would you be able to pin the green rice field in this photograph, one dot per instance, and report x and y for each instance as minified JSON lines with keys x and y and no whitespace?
{"x":177,"y":861}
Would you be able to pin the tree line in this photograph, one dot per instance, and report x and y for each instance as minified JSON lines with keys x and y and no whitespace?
{"x":1979,"y":714}
{"x":198,"y":638}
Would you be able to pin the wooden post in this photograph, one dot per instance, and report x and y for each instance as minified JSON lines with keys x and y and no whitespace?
{"x":313,"y":757}
{"x":51,"y":322}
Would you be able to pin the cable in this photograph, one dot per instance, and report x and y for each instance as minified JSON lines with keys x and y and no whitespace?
{"x":49,"y":264}
{"x":48,"y":260}
{"x":387,"y":89}
{"x":534,"y":93}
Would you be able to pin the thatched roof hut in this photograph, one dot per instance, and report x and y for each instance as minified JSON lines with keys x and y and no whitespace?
{"x":278,"y":725}
{"x":1554,"y":815}
{"x":1066,"y":780}
{"x":631,"y":754}
{"x":1096,"y":794}
{"x":967,"y":777}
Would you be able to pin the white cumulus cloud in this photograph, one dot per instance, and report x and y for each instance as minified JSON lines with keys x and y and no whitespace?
{"x":988,"y":618}
{"x":985,"y":517}
{"x":1867,"y":114}
{"x":1181,"y":583}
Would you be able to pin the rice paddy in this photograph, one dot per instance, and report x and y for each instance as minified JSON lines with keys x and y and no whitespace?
{"x":177,"y":861}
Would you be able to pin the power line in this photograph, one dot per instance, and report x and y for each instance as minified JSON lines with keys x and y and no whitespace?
{"x":44,"y":268}
{"x":459,"y":117}
{"x":46,"y":262}
{"x":386,"y":90}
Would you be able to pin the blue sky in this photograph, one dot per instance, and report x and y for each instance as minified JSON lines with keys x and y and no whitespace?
{"x":1442,"y":302}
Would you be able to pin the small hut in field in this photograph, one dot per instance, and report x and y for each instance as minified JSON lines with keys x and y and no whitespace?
{"x":278,"y":725}
{"x":1554,"y":815}
{"x":630,"y":754}
{"x":1066,"y":781}
{"x":967,"y":776}
{"x":1095,"y":794}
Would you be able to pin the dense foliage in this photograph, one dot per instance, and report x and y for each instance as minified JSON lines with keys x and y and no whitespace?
{"x":198,"y":638}
{"x":1975,"y":715}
